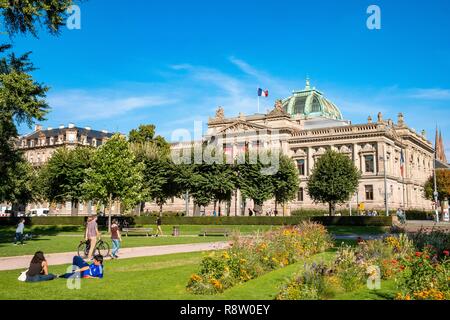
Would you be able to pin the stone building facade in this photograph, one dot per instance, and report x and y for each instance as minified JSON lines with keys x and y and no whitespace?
{"x":39,"y":145}
{"x":304,"y":126}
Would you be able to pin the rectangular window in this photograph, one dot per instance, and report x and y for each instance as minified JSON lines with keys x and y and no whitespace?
{"x":369,"y":192}
{"x":301,"y":166}
{"x":369,"y":164}
{"x":300,"y":194}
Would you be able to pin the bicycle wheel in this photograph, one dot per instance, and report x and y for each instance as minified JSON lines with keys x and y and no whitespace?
{"x":103,"y":249}
{"x":82,"y":250}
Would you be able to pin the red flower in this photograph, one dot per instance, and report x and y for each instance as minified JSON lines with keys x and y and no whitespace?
{"x":446,"y":252}
{"x":418,"y":254}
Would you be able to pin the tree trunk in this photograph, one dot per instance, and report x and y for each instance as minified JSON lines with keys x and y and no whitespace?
{"x":332,"y":209}
{"x":110,"y":212}
{"x":160,"y":209}
{"x":284,"y":209}
{"x":219,"y":210}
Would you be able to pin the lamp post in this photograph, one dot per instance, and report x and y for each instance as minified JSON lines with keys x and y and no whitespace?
{"x":435,"y":193}
{"x":386,"y":206}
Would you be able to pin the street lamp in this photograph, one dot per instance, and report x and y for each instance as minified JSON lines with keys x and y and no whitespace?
{"x":435,"y":193}
{"x":386,"y":206}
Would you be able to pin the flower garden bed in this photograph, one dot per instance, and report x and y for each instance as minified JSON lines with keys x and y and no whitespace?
{"x":420,"y":270}
{"x":251,"y":257}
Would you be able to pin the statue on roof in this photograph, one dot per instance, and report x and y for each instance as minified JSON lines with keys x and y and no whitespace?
{"x":278,"y":109}
{"x":220,"y":114}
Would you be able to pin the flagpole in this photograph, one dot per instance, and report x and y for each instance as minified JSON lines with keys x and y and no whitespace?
{"x":258,"y":98}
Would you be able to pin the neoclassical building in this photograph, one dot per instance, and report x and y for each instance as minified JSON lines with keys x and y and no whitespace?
{"x":304,"y":126}
{"x":39,"y":145}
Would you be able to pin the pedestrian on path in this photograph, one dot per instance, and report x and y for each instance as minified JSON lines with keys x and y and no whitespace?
{"x":19,"y":232}
{"x":158,"y":226}
{"x":116,"y":238}
{"x":92,"y":234}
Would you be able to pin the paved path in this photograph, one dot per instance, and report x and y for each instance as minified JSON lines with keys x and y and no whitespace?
{"x":22,"y":262}
{"x":416,"y":225}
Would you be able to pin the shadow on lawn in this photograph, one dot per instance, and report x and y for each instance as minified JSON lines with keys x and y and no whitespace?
{"x":7,"y":234}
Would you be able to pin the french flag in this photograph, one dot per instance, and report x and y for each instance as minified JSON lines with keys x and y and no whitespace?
{"x":263,"y":93}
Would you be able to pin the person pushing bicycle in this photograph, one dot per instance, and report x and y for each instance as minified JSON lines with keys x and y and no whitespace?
{"x":92,"y":234}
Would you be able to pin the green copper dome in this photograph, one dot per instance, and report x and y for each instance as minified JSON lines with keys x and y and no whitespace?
{"x":310,"y":103}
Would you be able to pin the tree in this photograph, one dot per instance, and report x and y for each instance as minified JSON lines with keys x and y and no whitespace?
{"x":114,"y":175}
{"x":442,"y":183}
{"x":145,"y":137}
{"x":23,"y":16}
{"x":285,"y":181}
{"x":22,"y":100}
{"x":23,"y":185}
{"x":333,"y":180}
{"x":62,"y":177}
{"x":253,"y":181}
{"x":159,"y":172}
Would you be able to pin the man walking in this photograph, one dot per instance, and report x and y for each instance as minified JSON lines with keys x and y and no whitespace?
{"x":19,"y":232}
{"x":158,"y":226}
{"x":92,"y":234}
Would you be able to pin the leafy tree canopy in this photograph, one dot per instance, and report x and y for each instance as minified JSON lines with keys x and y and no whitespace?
{"x":442,"y":183}
{"x":23,"y":16}
{"x":333,"y":180}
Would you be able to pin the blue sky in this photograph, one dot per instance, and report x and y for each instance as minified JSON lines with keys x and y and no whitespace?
{"x":173,"y":62}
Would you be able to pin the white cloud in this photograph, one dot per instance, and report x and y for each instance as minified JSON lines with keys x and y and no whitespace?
{"x":430,"y":94}
{"x":102,"y":104}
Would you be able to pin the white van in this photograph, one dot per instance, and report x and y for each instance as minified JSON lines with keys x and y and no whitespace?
{"x":39,"y":212}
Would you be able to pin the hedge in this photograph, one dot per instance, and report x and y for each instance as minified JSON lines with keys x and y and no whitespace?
{"x":292,"y":220}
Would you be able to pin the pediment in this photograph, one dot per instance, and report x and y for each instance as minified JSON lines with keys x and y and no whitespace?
{"x":242,"y":126}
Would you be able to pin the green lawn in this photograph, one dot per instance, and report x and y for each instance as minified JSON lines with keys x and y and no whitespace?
{"x":164,"y":277}
{"x":52,"y":239}
{"x":154,"y":278}
{"x":386,"y":292}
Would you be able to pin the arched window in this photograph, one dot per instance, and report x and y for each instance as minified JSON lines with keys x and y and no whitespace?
{"x":315,"y":107}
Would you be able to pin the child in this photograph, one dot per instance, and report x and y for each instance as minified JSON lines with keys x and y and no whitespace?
{"x":116,"y":238}
{"x":19,"y":232}
{"x":86,"y":271}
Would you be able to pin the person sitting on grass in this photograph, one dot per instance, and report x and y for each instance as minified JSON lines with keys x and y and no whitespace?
{"x":84,"y":270}
{"x":38,"y":270}
{"x":19,"y":232}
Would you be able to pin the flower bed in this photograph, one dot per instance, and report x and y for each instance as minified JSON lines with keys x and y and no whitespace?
{"x":418,"y":275}
{"x":250,"y":257}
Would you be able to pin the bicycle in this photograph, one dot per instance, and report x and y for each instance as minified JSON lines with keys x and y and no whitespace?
{"x":101,"y":248}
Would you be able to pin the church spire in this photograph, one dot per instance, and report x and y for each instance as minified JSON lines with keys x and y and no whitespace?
{"x":439,"y":147}
{"x":443,"y":158}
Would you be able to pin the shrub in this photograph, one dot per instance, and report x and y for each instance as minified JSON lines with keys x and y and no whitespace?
{"x":436,"y":240}
{"x":424,"y":277}
{"x":350,"y":268}
{"x":250,"y":257}
{"x":312,"y":284}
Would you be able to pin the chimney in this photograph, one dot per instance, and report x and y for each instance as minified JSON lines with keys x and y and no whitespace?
{"x":88,"y":128}
{"x":105,"y":131}
{"x":49,"y":128}
{"x":38,"y":127}
{"x":71,"y":125}
{"x":61,"y":126}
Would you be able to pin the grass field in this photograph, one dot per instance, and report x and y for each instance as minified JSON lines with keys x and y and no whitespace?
{"x":53,"y":239}
{"x":161,"y":277}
